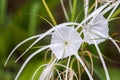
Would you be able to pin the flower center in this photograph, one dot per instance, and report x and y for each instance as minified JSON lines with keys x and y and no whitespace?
{"x":66,"y":43}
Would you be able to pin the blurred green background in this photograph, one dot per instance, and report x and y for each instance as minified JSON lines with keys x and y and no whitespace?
{"x":19,"y":20}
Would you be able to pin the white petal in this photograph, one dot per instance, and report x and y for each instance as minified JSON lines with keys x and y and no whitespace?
{"x":84,"y":66}
{"x":66,"y":76}
{"x":102,"y":60}
{"x":105,"y":1}
{"x":69,"y":69}
{"x":47,"y":72}
{"x":19,"y":46}
{"x":28,"y":59}
{"x":86,"y":6}
{"x":38,"y":70}
{"x":41,"y":37}
{"x":110,"y":7}
{"x":58,"y":50}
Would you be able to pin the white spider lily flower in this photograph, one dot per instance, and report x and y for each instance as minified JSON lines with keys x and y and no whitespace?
{"x":65,"y":38}
{"x":66,"y":41}
{"x":40,"y":36}
{"x":97,"y":31}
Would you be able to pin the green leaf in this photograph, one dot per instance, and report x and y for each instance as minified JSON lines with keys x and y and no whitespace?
{"x":2,"y":11}
{"x":33,"y":18}
{"x":30,"y":69}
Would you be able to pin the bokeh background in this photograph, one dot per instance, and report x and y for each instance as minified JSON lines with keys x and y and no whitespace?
{"x":19,"y":20}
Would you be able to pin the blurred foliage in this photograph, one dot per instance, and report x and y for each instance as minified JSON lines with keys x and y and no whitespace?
{"x":18,"y":21}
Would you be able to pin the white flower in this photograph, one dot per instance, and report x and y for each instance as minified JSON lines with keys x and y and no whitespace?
{"x":65,"y":39}
{"x":96,"y":32}
{"x":65,"y":42}
{"x":98,"y":29}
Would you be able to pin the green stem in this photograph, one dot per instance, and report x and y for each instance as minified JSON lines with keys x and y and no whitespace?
{"x":116,"y":13}
{"x":91,"y":8}
{"x":49,"y":12}
{"x":73,"y":11}
{"x":33,"y":18}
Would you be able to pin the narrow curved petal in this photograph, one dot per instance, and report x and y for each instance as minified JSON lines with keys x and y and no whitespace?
{"x":102,"y":60}
{"x":66,"y":76}
{"x":41,"y":37}
{"x":116,"y":45}
{"x":110,"y":7}
{"x":47,"y":71}
{"x":106,"y":1}
{"x":19,"y":46}
{"x":113,"y":10}
{"x":69,"y":69}
{"x":84,"y":66}
{"x":82,"y":63}
{"x":58,"y":74}
{"x":28,"y":59}
{"x":38,"y":70}
{"x":86,"y":6}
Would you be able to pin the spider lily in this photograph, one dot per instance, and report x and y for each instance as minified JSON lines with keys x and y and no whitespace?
{"x":68,"y":41}
{"x":65,"y":42}
{"x":95,"y":33}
